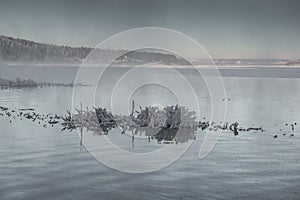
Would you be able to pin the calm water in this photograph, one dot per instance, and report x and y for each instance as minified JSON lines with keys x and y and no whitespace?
{"x":45,"y":163}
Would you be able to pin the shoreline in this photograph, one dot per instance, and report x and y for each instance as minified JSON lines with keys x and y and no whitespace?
{"x":150,"y":65}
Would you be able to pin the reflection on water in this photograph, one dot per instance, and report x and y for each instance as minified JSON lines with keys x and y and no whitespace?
{"x":178,"y":135}
{"x":164,"y":135}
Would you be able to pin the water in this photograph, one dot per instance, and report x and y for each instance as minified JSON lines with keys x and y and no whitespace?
{"x":45,"y":163}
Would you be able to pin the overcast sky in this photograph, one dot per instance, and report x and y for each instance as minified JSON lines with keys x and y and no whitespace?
{"x":227,"y":29}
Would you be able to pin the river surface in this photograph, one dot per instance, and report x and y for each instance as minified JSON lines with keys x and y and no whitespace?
{"x":46,"y":163}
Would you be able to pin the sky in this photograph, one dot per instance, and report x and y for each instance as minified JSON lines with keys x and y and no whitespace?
{"x":226,"y":29}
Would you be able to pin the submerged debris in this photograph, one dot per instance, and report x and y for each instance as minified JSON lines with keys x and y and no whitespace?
{"x":68,"y":122}
{"x":234,"y":128}
{"x":143,"y":118}
{"x":106,"y":120}
{"x":173,"y":116}
{"x":172,"y":124}
{"x":3,"y":108}
{"x":29,"y":83}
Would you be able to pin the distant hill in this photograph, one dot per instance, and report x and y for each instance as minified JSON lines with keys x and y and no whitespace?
{"x":20,"y":50}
